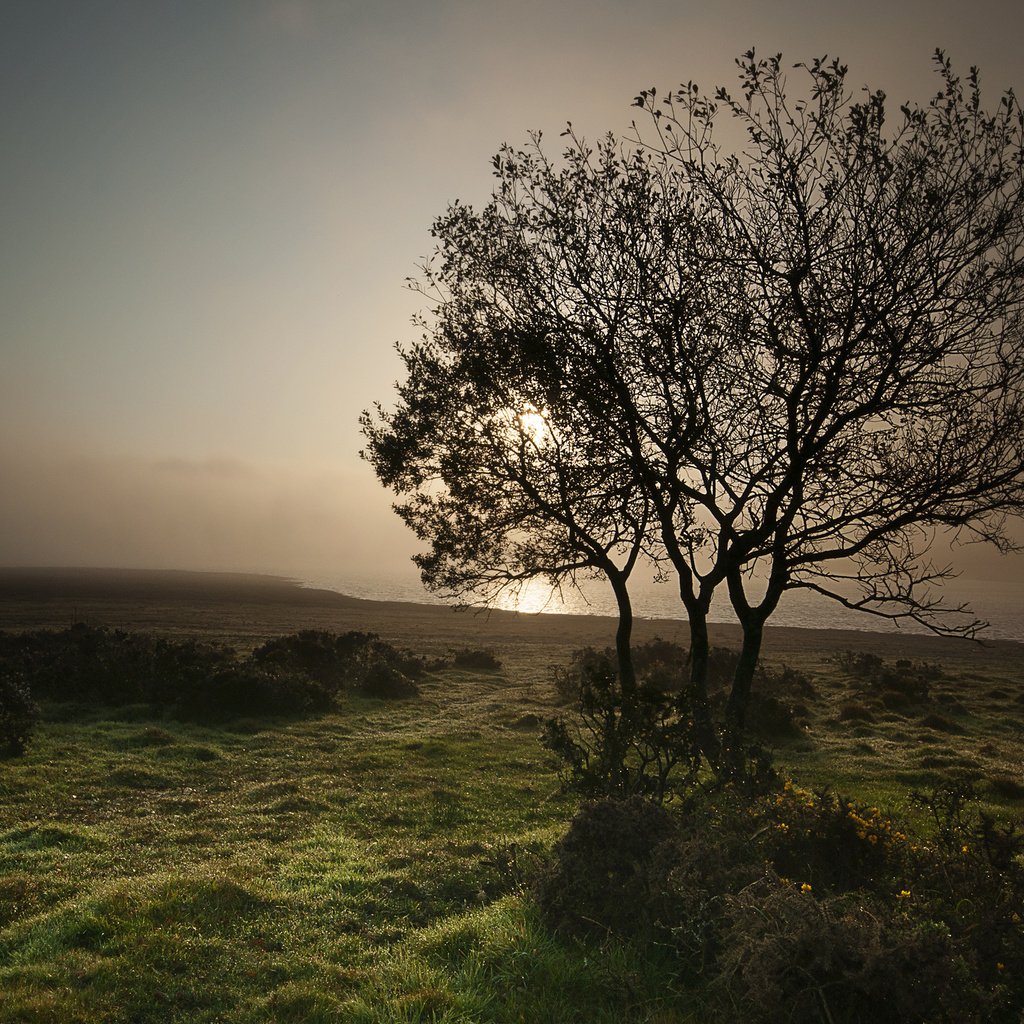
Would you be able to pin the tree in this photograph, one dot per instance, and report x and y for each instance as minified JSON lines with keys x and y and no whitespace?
{"x":780,"y":368}
{"x":504,"y":480}
{"x":872,"y":362}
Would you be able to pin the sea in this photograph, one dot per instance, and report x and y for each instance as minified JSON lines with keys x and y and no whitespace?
{"x":999,"y":603}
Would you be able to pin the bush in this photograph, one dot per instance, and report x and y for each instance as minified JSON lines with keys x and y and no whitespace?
{"x":644,"y":742}
{"x":19,"y":714}
{"x":476,"y":660}
{"x":905,"y":682}
{"x":321,"y":656}
{"x":104,"y":666}
{"x":584,"y":665}
{"x":789,"y":955}
{"x":623,"y":745}
{"x":79,"y":663}
{"x":297,"y":674}
{"x":598,"y":878}
{"x":385,"y":680}
{"x":336,"y":660}
{"x":806,"y":906}
{"x":832,"y":842}
{"x":254,"y":691}
{"x":771,"y":718}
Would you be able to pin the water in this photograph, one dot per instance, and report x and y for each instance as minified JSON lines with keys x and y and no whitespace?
{"x":999,"y":602}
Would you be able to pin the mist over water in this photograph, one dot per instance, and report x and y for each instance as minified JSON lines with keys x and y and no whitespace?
{"x":998,"y":602}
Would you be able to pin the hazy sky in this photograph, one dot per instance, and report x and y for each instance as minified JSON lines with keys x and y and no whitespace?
{"x":208,"y":209}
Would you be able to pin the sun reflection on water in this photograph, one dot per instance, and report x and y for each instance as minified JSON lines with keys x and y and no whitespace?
{"x":535,"y":596}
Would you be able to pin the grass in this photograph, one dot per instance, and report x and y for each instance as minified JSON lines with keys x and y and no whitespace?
{"x":364,"y":866}
{"x":352,"y":867}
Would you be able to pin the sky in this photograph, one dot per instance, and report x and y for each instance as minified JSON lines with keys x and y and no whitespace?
{"x":209,"y":209}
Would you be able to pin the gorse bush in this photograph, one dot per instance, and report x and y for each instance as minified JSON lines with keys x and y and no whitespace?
{"x":19,"y":713}
{"x":476,"y":660}
{"x":902,"y":682}
{"x":292,"y":675}
{"x":832,"y":842}
{"x":806,"y":906}
{"x":105,"y":666}
{"x":599,"y":878}
{"x":316,"y":654}
{"x":339,"y":660}
{"x":252,"y":690}
{"x":644,"y":742}
{"x":788,"y":954}
{"x":621,"y":745}
{"x":383,"y":679}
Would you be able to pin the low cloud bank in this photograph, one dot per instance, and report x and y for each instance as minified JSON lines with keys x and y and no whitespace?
{"x":215,"y":513}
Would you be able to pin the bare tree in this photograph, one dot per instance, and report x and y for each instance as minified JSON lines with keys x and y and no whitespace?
{"x":870,"y":378}
{"x":780,"y":368}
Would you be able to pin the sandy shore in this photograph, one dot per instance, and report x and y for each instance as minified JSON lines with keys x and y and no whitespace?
{"x":245,"y":609}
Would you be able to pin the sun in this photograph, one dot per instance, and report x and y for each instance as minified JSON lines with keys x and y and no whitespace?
{"x":532,"y":423}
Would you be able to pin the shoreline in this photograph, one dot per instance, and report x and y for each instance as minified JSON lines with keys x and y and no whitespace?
{"x":245,"y":609}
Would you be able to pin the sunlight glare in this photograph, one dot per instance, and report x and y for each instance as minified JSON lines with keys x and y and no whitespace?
{"x":532,"y":423}
{"x":532,"y":597}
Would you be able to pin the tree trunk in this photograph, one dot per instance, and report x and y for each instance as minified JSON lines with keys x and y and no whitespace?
{"x":623,"y":637}
{"x":700,"y":653}
{"x":742,"y":684}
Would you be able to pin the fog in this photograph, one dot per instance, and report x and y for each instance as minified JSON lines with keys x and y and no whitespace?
{"x":219,"y":514}
{"x":209,"y":211}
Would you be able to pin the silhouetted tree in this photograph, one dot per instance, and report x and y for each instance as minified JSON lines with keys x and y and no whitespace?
{"x":505,"y":484}
{"x":783,"y":367}
{"x":868,"y":389}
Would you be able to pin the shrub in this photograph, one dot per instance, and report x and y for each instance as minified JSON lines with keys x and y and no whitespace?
{"x":583,"y":665}
{"x":789,"y":955}
{"x":296,"y":674}
{"x":711,"y":854}
{"x":623,"y":745}
{"x":175,"y":668}
{"x":78,"y":663}
{"x":100,"y":665}
{"x":385,"y":680}
{"x":322,"y":656}
{"x":253,"y":690}
{"x":598,"y":878}
{"x":476,"y":660}
{"x":832,"y":842}
{"x":807,"y":906}
{"x":644,"y":742}
{"x":19,"y":714}
{"x":772,"y":718}
{"x":336,"y":660}
{"x":904,"y":682}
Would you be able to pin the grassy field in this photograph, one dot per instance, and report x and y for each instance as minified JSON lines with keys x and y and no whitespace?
{"x":367,"y":865}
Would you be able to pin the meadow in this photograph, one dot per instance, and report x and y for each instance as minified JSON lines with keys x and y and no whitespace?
{"x":375,"y":862}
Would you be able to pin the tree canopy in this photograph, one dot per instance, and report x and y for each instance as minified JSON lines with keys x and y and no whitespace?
{"x":777,"y":366}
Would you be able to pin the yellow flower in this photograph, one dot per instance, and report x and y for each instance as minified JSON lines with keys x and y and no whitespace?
{"x":806,"y":887}
{"x":965,"y":848}
{"x":903,"y":894}
{"x":999,"y":966}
